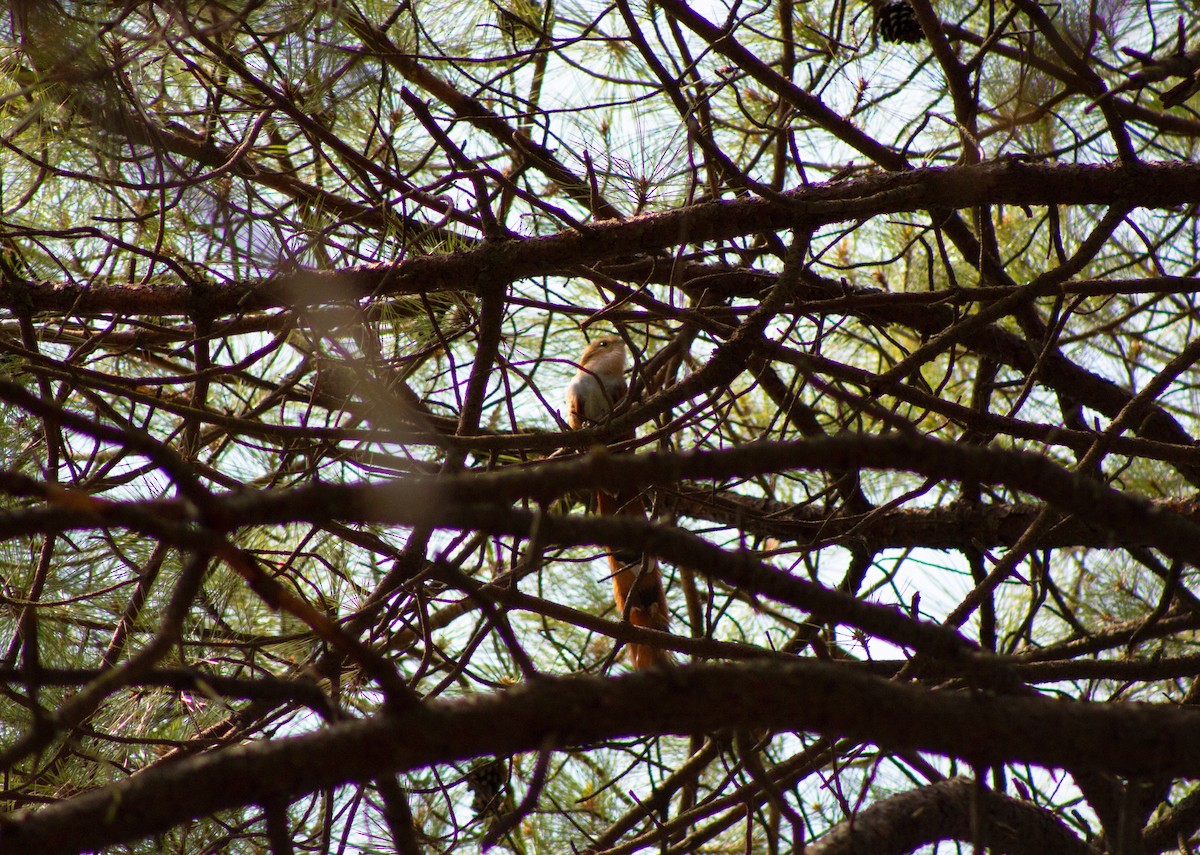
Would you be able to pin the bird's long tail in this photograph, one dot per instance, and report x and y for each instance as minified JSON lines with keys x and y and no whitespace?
{"x":636,"y":583}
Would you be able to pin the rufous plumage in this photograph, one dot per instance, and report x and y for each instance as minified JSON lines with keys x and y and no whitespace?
{"x":596,"y":388}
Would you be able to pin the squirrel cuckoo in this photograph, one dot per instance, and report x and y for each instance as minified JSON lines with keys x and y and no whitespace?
{"x":595,"y":389}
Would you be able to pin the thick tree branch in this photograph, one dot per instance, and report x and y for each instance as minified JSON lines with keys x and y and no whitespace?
{"x":572,"y":712}
{"x":1011,"y":182}
{"x":956,"y":809}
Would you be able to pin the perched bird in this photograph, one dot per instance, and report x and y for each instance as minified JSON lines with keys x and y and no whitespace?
{"x":596,"y":388}
{"x":598,"y":384}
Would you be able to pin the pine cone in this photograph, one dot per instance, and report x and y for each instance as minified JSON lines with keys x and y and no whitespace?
{"x":898,"y":23}
{"x":487,"y":779}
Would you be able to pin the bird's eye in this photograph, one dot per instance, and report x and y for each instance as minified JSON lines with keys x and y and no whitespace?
{"x":602,"y":344}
